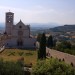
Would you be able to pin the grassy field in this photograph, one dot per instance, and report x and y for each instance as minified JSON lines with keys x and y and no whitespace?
{"x":30,"y":56}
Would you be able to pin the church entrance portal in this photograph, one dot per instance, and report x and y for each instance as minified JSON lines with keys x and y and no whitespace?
{"x":20,"y":37}
{"x":19,"y":43}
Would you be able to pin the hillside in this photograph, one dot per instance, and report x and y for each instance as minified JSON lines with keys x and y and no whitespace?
{"x":64,"y":28}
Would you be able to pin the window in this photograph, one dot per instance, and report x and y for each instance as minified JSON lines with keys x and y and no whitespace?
{"x":9,"y":16}
{"x":19,"y":43}
{"x":20,"y":26}
{"x":8,"y":21}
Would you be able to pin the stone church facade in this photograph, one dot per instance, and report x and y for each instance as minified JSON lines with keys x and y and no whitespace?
{"x":19,"y":34}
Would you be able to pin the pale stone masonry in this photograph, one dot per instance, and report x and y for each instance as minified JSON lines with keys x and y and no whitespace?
{"x":19,"y":34}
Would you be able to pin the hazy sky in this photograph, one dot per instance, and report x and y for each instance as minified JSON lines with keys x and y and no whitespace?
{"x":39,"y":11}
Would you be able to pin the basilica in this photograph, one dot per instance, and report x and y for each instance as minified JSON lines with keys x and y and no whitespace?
{"x":20,"y":36}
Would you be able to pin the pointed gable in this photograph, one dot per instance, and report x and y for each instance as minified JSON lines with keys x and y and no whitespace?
{"x":21,"y":25}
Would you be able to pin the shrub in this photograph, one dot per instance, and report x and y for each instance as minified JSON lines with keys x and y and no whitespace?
{"x":11,"y":53}
{"x":71,"y":64}
{"x":20,"y":53}
{"x":10,"y":68}
{"x":63,"y":59}
{"x":28,"y":54}
{"x":52,"y":67}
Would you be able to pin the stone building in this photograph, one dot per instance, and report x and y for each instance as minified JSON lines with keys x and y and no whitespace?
{"x":19,"y":34}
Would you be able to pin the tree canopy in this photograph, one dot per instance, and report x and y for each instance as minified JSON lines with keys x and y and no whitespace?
{"x":50,"y":41}
{"x":42,"y":49}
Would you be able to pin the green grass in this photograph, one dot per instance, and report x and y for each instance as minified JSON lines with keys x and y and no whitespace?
{"x":30,"y":56}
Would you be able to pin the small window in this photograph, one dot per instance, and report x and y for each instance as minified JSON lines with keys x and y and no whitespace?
{"x":8,"y":21}
{"x":20,"y":26}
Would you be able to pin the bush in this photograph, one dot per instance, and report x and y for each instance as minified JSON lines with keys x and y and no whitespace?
{"x":20,"y":53}
{"x":11,"y":53}
{"x":10,"y":68}
{"x":52,"y":67}
{"x":66,"y":47}
{"x":28,"y":54}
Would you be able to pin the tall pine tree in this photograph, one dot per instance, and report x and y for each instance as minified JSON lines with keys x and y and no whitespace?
{"x":42,"y":49}
{"x":50,"y":41}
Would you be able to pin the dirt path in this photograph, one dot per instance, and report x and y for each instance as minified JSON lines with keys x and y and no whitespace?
{"x":60,"y":55}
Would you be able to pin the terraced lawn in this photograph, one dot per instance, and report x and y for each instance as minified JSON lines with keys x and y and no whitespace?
{"x":30,"y":56}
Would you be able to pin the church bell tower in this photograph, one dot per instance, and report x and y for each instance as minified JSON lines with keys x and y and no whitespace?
{"x":9,"y":22}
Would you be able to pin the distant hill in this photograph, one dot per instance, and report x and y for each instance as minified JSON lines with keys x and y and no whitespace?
{"x":2,"y":27}
{"x":43,"y":25}
{"x":36,"y":25}
{"x":64,"y":28}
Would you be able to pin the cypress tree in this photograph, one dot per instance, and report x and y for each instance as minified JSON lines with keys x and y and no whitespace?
{"x":50,"y":41}
{"x":42,"y":49}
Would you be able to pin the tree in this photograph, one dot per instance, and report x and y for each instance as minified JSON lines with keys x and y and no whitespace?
{"x":54,"y":43}
{"x":64,"y":45}
{"x":50,"y":41}
{"x":42,"y":49}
